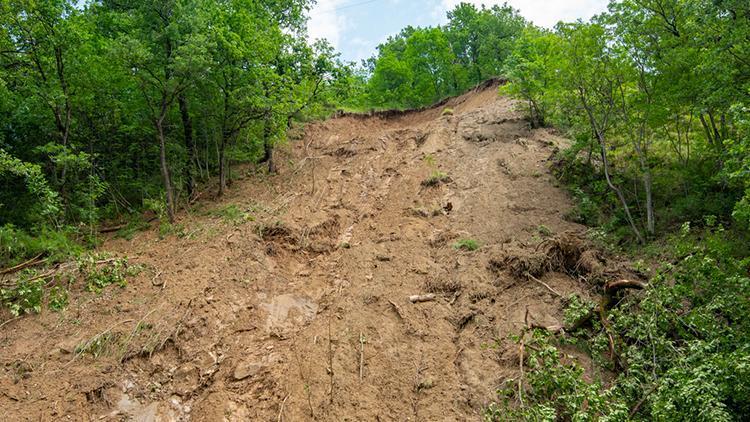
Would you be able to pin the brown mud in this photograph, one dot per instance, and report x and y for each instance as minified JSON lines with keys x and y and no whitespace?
{"x":299,"y":309}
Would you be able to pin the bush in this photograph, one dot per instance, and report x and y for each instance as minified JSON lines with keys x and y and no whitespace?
{"x":466,"y":244}
{"x":682,"y":346}
{"x":25,"y":297}
{"x":19,"y":245}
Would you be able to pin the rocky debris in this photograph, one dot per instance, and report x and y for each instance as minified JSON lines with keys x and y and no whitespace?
{"x":186,"y":379}
{"x":246,"y":369}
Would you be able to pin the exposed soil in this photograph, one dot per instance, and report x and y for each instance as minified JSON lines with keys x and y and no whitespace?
{"x":300,"y":308}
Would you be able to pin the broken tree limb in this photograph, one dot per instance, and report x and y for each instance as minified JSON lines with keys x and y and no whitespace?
{"x":421,"y":298}
{"x":614,"y":286}
{"x":555,"y":292}
{"x":112,"y":228}
{"x":361,"y":355}
{"x":33,"y":261}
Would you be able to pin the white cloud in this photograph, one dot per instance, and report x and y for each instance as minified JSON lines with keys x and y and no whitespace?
{"x":326,"y":22}
{"x":542,"y":12}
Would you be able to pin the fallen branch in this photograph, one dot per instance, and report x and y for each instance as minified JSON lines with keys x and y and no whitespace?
{"x":397,"y":309}
{"x":58,"y":269}
{"x":281,"y":411}
{"x":113,"y":228}
{"x":638,"y":405}
{"x":421,"y":298}
{"x":555,"y":292}
{"x":614,"y":286}
{"x":9,"y":321}
{"x":361,"y":355}
{"x":33,"y":261}
{"x":608,"y":330}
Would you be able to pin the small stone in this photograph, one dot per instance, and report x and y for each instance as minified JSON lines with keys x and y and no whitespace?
{"x":246,"y":369}
{"x":68,"y":346}
{"x":186,"y":379}
{"x":383,"y":258}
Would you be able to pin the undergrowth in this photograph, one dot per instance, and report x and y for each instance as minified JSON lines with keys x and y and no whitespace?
{"x":33,"y":289}
{"x":466,"y":245}
{"x":677,"y":350}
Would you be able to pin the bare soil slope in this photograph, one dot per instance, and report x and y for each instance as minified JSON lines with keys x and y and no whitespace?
{"x":299,"y":308}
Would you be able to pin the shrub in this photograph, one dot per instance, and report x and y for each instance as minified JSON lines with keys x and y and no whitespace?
{"x":25,"y":297}
{"x":466,"y":244}
{"x":681,"y":346}
{"x":436,"y":177}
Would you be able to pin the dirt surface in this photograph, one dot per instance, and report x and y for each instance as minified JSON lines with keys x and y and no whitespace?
{"x":297,"y":306}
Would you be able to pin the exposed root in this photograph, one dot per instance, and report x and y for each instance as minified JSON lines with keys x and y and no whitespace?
{"x":442,"y":286}
{"x":567,"y":253}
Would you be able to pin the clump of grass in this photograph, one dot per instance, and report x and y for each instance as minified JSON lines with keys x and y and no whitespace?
{"x":466,"y":245}
{"x":436,"y":177}
{"x":99,"y":345}
{"x":168,"y":229}
{"x":544,"y":231}
{"x":233,"y":214}
{"x":133,"y":227}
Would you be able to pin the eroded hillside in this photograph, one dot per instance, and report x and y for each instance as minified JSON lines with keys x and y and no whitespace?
{"x":296,"y":304}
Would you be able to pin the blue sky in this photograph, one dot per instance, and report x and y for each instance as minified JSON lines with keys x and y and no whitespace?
{"x":356,"y":27}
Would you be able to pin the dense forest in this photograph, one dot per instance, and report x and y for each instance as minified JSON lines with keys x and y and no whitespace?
{"x":112,"y":108}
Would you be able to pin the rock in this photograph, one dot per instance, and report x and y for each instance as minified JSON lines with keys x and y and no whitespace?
{"x":68,"y":345}
{"x":186,"y":379}
{"x":246,"y":369}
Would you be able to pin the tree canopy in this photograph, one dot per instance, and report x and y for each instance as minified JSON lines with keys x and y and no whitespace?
{"x":108,"y":107}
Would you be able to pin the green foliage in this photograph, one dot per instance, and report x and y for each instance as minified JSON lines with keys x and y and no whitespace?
{"x":466,"y":245}
{"x":659,"y":121}
{"x":233,"y":214}
{"x":420,"y":66}
{"x":25,"y":297}
{"x":436,"y":177}
{"x":654,"y":96}
{"x":18,"y":245}
{"x":58,"y":298}
{"x":26,"y":197}
{"x":576,"y":310}
{"x":544,"y":231}
{"x":682,"y":346}
{"x":99,"y":273}
{"x":105,"y":106}
{"x":133,"y":226}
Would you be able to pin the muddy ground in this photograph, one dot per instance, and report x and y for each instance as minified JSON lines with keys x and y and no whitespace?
{"x":288,"y":299}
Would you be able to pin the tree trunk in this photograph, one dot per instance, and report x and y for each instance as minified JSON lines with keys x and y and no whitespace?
{"x":617,"y":190}
{"x":222,"y":167}
{"x":650,"y":224}
{"x":164,"y":166}
{"x":603,"y":144}
{"x":268,"y":145}
{"x":187,"y":125}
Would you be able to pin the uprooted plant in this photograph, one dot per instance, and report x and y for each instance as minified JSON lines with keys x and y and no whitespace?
{"x":32,"y":288}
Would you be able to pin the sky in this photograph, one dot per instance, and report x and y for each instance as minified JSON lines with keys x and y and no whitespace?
{"x":356,"y":27}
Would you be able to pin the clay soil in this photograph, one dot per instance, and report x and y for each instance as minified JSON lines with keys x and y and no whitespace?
{"x":288,"y":299}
